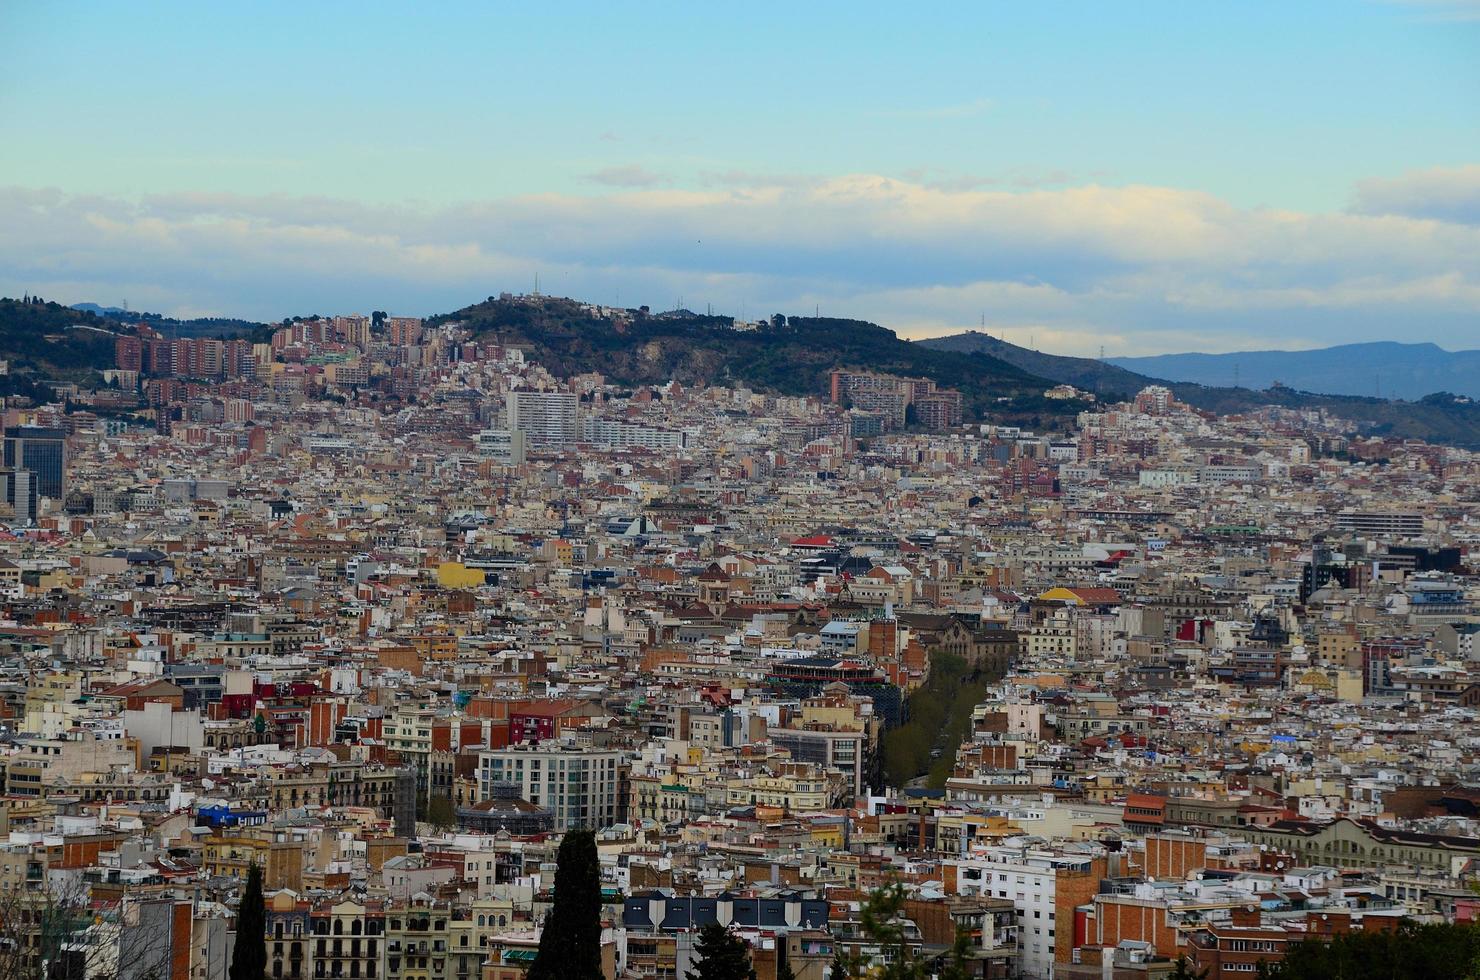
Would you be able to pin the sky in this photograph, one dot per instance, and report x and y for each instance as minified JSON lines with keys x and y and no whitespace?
{"x":1138,"y":177}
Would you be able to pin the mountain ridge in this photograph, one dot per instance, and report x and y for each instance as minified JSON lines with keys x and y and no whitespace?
{"x":46,"y":342}
{"x":1437,"y":416}
{"x":1384,"y":367}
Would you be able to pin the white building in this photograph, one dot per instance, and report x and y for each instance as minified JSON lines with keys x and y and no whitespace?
{"x":609,"y":432}
{"x":580,"y":786}
{"x":503,"y":446}
{"x":550,"y":418}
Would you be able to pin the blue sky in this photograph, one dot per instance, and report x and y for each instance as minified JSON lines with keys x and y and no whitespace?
{"x":1142,"y":176}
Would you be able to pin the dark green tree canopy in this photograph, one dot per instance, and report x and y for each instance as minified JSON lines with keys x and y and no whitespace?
{"x":1413,"y":952}
{"x":249,"y":955}
{"x":570,"y":941}
{"x":720,"y":955}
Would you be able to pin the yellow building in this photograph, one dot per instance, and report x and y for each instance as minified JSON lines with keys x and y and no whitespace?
{"x":456,"y":575}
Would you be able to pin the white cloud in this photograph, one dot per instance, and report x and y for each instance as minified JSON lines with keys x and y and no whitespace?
{"x":630,"y":175}
{"x":1441,"y":193}
{"x":1136,"y":269}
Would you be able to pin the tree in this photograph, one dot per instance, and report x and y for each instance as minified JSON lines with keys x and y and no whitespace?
{"x":840,"y":970}
{"x":441,"y":813}
{"x":249,"y":956}
{"x":1441,"y":951}
{"x":784,"y":971}
{"x":55,"y":932}
{"x":883,"y":923}
{"x":1184,"y":971}
{"x":720,"y":955}
{"x":570,"y":941}
{"x":958,"y":961}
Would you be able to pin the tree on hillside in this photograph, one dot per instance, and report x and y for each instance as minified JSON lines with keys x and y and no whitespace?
{"x":249,"y":956}
{"x":570,"y":941}
{"x":720,"y":955}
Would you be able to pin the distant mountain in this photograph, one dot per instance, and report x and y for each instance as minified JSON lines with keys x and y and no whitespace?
{"x":1105,"y":380}
{"x":789,"y":355}
{"x":1383,"y":369}
{"x":1440,"y":417}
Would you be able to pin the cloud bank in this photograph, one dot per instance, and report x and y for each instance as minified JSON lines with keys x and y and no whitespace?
{"x":1136,"y":269}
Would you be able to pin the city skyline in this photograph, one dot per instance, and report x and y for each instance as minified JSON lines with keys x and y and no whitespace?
{"x":1150,"y":180}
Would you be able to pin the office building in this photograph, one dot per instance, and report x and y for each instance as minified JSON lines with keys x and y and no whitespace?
{"x":44,"y":453}
{"x":18,"y":488}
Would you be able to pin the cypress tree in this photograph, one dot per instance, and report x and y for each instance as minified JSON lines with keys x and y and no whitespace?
{"x":721,"y":956}
{"x":570,"y":942}
{"x":249,"y":956}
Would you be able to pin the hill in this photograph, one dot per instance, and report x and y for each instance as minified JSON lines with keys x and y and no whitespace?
{"x":1439,"y":417}
{"x":225,"y":328}
{"x":52,"y":341}
{"x":789,"y":355}
{"x":1105,"y":380}
{"x":1395,"y":370}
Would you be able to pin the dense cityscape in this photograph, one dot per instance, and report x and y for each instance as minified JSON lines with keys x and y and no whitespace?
{"x":351,"y":637}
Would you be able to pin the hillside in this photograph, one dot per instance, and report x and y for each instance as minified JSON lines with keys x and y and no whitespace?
{"x":791,"y":356}
{"x":52,"y":341}
{"x":1438,"y":417}
{"x":999,"y":381}
{"x":225,"y":328}
{"x":1394,"y":370}
{"x":1105,"y":380}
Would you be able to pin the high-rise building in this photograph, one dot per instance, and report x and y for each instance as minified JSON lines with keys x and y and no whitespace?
{"x":502,"y":445}
{"x":44,"y":453}
{"x":939,"y":409}
{"x":403,"y":331}
{"x":18,"y":490}
{"x":129,"y":353}
{"x":881,"y":394}
{"x":550,"y":418}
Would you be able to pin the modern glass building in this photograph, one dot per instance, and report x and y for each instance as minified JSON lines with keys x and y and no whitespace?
{"x":44,"y":453}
